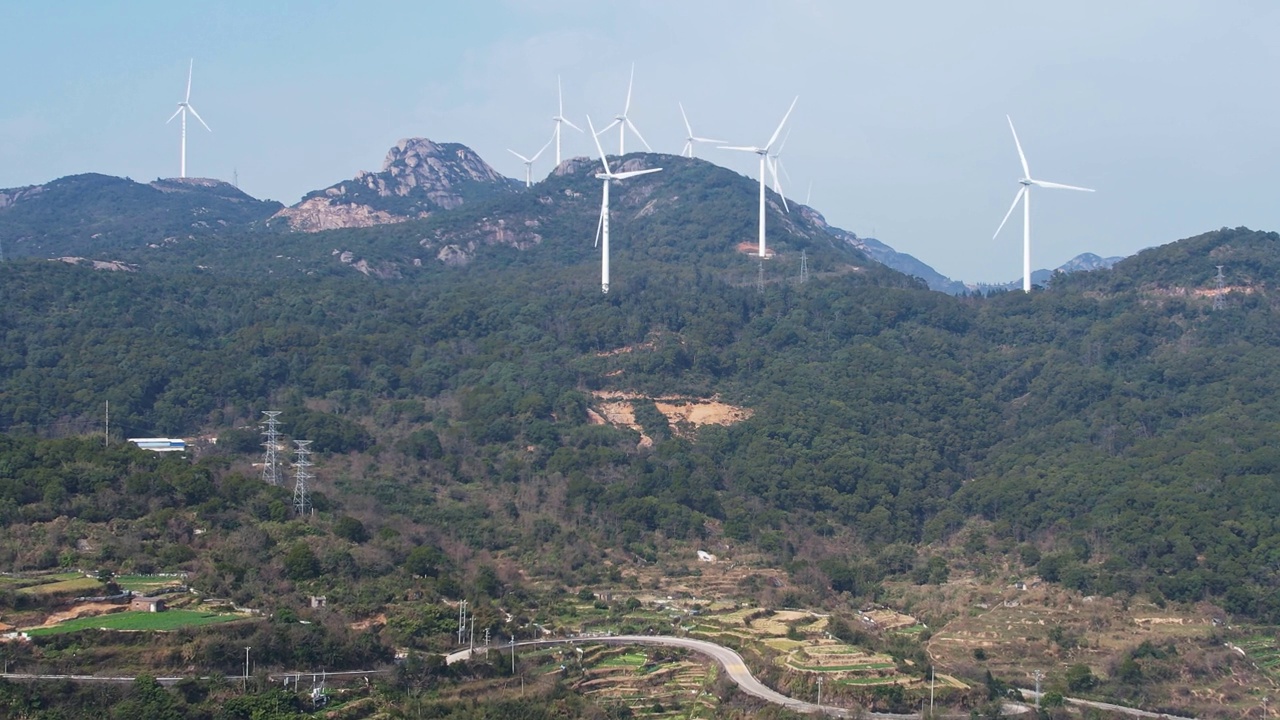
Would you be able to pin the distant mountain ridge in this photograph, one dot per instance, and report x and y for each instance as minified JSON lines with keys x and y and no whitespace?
{"x":84,"y":215}
{"x":89,"y":213}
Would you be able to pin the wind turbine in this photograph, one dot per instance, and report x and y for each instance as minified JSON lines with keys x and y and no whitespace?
{"x":775,"y":166}
{"x":560,"y":119}
{"x":763,"y":152}
{"x":528,"y":163}
{"x":1024,"y":194}
{"x":690,"y":139}
{"x":183,"y":108}
{"x":602,"y":228}
{"x":623,"y":122}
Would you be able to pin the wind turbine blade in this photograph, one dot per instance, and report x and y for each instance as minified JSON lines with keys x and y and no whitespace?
{"x":784,"y":122}
{"x":743,"y":148}
{"x":707,"y":140}
{"x":599,"y":225}
{"x":190,"y":66}
{"x":607,"y":128}
{"x":1016,"y":198}
{"x":202,"y":122}
{"x":634,"y":173}
{"x":777,"y":186}
{"x":688,"y":148}
{"x":783,"y":144}
{"x":566,"y":121}
{"x":596,"y":137}
{"x":637,"y":132}
{"x":541,"y":150}
{"x":686,"y":120}
{"x":175,"y":114}
{"x":513,"y":152}
{"x":630,"y":82}
{"x":1026,"y":172}
{"x":782,"y":168}
{"x":1059,"y":186}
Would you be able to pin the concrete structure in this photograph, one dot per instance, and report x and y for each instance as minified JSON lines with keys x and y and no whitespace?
{"x":160,"y":444}
{"x":147,"y":604}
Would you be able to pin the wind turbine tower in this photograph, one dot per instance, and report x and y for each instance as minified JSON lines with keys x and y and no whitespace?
{"x":185,"y":107}
{"x":623,"y":122}
{"x":560,"y":119}
{"x":528,"y":162}
{"x":1024,"y":194}
{"x":763,"y":152}
{"x":602,"y":229}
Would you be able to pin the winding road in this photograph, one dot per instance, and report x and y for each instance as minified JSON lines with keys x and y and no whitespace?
{"x":731,"y":661}
{"x":733,"y":665}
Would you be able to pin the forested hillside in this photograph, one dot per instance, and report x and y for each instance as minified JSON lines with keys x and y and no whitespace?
{"x":1116,"y":427}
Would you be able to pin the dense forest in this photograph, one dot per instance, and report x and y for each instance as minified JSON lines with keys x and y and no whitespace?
{"x":1116,"y":422}
{"x":1109,"y":433}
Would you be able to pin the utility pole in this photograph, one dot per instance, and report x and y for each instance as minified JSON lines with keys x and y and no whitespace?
{"x":271,"y":462}
{"x":1038,"y":676}
{"x":106,"y":432}
{"x":513,"y":654}
{"x":819,"y":693}
{"x":244,"y":686}
{"x":301,"y":495}
{"x":932,"y":680}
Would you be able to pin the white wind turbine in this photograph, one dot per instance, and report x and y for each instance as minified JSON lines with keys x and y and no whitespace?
{"x":690,"y":139}
{"x":776,"y":166}
{"x":560,"y":119}
{"x":185,"y":107}
{"x":602,"y":228}
{"x":763,"y":152}
{"x":623,"y":122}
{"x":528,"y":163}
{"x":1024,"y":194}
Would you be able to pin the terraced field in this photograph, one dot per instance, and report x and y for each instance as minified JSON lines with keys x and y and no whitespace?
{"x":138,"y":621}
{"x":647,"y":687}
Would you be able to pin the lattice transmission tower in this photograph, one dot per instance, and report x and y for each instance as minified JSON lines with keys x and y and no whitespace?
{"x":301,"y":476}
{"x":271,"y":460}
{"x":804,"y":267}
{"x":1220,"y":282}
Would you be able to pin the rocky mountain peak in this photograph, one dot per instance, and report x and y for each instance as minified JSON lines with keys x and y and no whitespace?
{"x":418,"y":177}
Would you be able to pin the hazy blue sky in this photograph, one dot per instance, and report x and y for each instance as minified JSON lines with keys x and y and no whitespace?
{"x":1167,"y":107}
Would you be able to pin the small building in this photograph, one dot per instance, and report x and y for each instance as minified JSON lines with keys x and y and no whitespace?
{"x":319,"y":601}
{"x":160,"y":444}
{"x":147,"y":604}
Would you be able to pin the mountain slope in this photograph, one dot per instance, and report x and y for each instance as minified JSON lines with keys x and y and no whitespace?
{"x":91,"y":214}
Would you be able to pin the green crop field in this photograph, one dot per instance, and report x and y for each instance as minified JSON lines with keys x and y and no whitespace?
{"x":628,"y":660}
{"x":143,"y":583}
{"x":137,"y":620}
{"x":77,"y":583}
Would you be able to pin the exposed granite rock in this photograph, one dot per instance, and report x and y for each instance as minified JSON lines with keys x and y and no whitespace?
{"x":418,"y":177}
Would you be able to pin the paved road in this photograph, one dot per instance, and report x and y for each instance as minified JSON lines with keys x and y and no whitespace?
{"x":733,"y":666}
